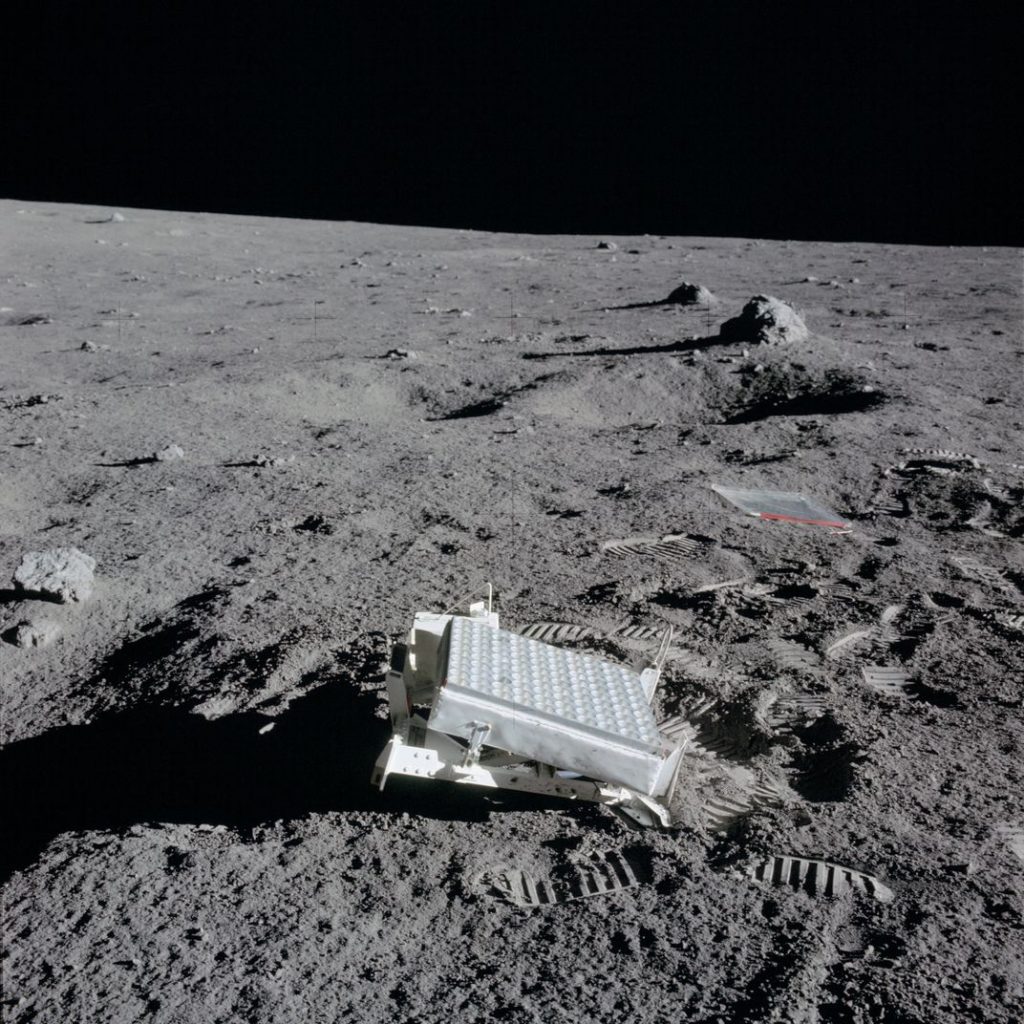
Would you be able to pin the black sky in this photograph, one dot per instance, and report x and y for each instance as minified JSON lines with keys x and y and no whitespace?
{"x":882,"y":122}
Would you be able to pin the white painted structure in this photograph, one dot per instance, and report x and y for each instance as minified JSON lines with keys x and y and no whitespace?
{"x":476,"y":704}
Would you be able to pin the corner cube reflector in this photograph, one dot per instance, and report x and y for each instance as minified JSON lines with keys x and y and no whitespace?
{"x":574,"y":711}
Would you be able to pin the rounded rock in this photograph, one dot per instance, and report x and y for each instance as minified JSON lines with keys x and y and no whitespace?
{"x":766,"y":320}
{"x":60,"y":574}
{"x":35,"y":634}
{"x":688,"y":294}
{"x":169,"y":454}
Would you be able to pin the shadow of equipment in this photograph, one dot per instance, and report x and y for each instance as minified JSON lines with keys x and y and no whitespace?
{"x":167,"y":765}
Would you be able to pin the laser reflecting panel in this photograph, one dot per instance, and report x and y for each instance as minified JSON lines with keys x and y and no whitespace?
{"x":575,"y":711}
{"x":580,"y":688}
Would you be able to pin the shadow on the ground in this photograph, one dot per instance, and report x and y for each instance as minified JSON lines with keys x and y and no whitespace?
{"x":648,"y":304}
{"x":147,"y":460}
{"x":667,"y":302}
{"x":18,"y":596}
{"x":166,"y":765}
{"x":826,"y":403}
{"x":688,"y":345}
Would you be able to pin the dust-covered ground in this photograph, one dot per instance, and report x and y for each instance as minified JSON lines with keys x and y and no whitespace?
{"x":375,"y":420}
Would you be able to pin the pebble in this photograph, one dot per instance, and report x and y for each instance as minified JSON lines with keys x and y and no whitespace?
{"x":169,"y":454}
{"x":89,"y":346}
{"x":969,"y":867}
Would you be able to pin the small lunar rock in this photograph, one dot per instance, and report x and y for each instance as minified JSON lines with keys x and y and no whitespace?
{"x":966,"y":868}
{"x":62,"y":574}
{"x":688,"y":294}
{"x":766,"y":321}
{"x":35,"y":634}
{"x":89,"y":346}
{"x":609,"y":246}
{"x":399,"y":353}
{"x":169,"y":454}
{"x":314,"y":523}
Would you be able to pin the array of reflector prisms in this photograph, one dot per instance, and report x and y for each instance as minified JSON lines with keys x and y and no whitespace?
{"x":566,"y":684}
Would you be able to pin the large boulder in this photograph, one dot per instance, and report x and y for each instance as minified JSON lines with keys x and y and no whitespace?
{"x":60,"y":574}
{"x":765,"y":320}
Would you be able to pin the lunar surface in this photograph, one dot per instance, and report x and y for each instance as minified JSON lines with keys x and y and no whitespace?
{"x":260,"y":446}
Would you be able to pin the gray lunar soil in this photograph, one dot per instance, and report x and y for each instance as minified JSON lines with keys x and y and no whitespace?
{"x":279,"y":439}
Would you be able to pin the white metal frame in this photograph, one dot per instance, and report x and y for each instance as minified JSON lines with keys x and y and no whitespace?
{"x":418,"y":751}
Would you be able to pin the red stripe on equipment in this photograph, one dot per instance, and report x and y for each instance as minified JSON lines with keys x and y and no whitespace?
{"x":797,"y":519}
